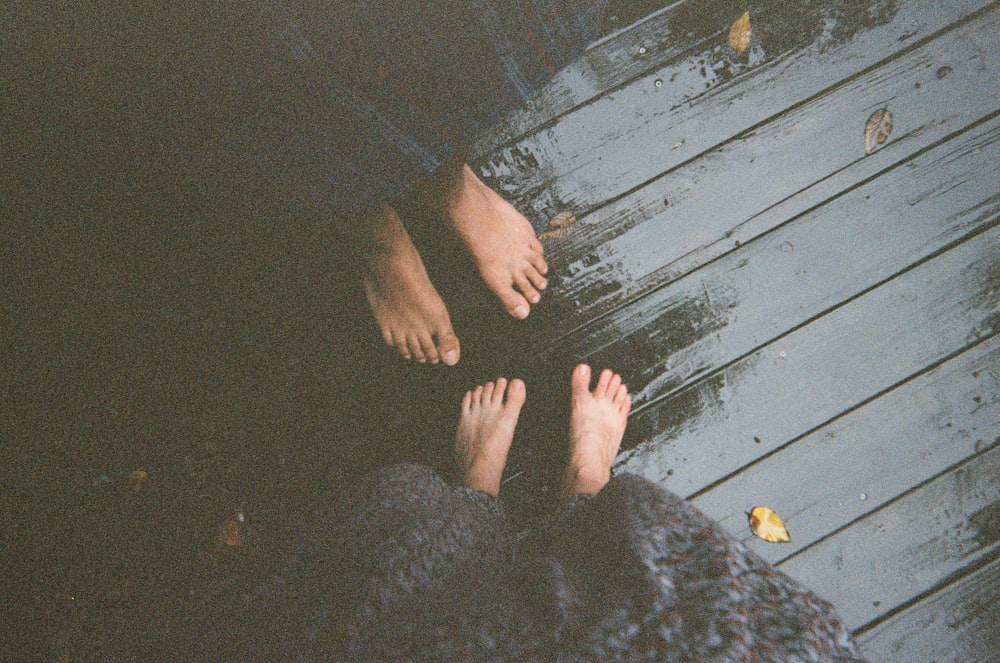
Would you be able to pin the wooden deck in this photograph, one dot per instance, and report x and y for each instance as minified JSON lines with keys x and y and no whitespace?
{"x":802,"y":325}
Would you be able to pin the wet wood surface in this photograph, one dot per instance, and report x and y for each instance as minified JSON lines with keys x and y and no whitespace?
{"x":802,"y":325}
{"x":957,"y":623}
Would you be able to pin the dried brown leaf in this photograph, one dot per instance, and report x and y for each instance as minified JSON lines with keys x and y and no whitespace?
{"x":740,"y":33}
{"x":136,"y":479}
{"x":229,"y":533}
{"x":559,"y":225}
{"x":877,"y":129}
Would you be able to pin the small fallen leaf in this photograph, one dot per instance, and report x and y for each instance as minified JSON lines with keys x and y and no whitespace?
{"x":766,"y":524}
{"x":559,"y":225}
{"x":740,"y":33}
{"x":135,"y":480}
{"x":229,"y":533}
{"x":877,"y":129}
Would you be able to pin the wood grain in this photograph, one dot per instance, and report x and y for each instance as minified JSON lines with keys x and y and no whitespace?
{"x":958,"y":622}
{"x":815,"y":373}
{"x":857,"y":463}
{"x":758,"y":181}
{"x":584,"y":159}
{"x":897,"y":553}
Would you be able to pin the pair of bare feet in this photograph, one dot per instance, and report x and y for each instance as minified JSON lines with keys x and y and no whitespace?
{"x":596,"y":426}
{"x":410,"y":312}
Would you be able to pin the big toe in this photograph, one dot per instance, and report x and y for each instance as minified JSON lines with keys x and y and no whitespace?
{"x":448,"y":348}
{"x":580,"y":380}
{"x":516,"y":394}
{"x":515,"y":303}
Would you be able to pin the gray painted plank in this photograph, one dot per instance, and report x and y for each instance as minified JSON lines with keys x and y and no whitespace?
{"x":815,"y":373}
{"x":725,"y":310}
{"x":897,"y":553}
{"x":868,"y":457}
{"x":584,"y":159}
{"x":647,"y":45}
{"x":756,"y":182}
{"x":959,"y":623}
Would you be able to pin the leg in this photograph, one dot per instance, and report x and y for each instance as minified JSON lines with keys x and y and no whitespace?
{"x":596,"y":426}
{"x":409,"y":311}
{"x":485,"y":432}
{"x":501,"y":240}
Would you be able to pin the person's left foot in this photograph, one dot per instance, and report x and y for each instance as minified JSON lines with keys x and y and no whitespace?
{"x":486,"y":431}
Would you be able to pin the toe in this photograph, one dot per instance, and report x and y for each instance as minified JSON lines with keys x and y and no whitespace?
{"x":417,"y":352}
{"x":515,"y":304}
{"x":448,"y":348}
{"x":428,"y":349}
{"x":467,"y":401}
{"x":488,"y":389}
{"x":616,"y":381}
{"x":516,"y":393}
{"x":538,"y":262}
{"x":537,"y":280}
{"x":621,"y":393}
{"x":498,"y":392}
{"x":580,"y":380}
{"x":602,"y":383}
{"x":527,"y":289}
{"x":626,"y":405}
{"x":477,"y":396}
{"x":399,"y":341}
{"x":536,"y":245}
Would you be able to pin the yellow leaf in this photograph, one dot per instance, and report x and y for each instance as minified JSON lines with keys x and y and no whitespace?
{"x":559,"y":225}
{"x":135,"y":479}
{"x":740,"y":33}
{"x":766,"y":524}
{"x":229,"y":533}
{"x":877,"y":129}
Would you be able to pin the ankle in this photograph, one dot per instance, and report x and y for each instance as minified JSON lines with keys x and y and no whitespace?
{"x":486,"y":479}
{"x":584,"y":478}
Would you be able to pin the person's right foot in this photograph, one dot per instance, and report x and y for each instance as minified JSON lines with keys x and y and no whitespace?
{"x":410,"y":312}
{"x":596,"y":426}
{"x":501,"y":239}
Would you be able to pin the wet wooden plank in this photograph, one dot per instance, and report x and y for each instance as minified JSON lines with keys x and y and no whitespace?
{"x":584,"y":160}
{"x":870,"y":456}
{"x":647,"y":45}
{"x":959,"y":622}
{"x":814,"y":373}
{"x":894,"y":555}
{"x":719,"y":313}
{"x":758,"y":181}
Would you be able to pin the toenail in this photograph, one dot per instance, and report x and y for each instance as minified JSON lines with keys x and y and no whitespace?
{"x":535,"y":298}
{"x":521,"y":312}
{"x":451,"y":357}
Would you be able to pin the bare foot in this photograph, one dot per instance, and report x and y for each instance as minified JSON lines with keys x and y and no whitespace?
{"x":501,"y":240}
{"x":486,"y":430}
{"x":409,"y":311}
{"x":596,"y":425}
